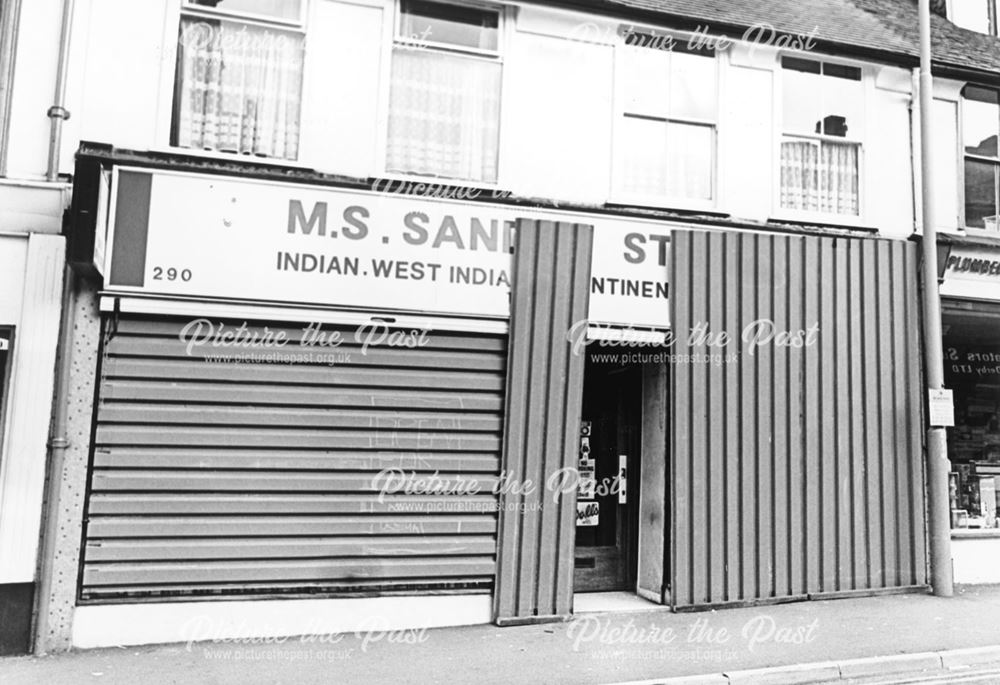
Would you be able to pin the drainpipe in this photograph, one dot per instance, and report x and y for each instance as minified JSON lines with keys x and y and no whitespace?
{"x":938,"y":505}
{"x":58,"y":442}
{"x":57,"y":112}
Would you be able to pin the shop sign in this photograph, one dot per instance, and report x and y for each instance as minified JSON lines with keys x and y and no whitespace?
{"x":972,"y":365}
{"x":234,"y":238}
{"x":972,"y":273}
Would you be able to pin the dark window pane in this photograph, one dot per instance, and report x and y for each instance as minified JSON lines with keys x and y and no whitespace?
{"x":981,"y":94}
{"x":840,"y":71}
{"x":980,"y":192}
{"x":437,"y":22}
{"x":279,"y":9}
{"x":980,"y":122}
{"x":795,"y":64}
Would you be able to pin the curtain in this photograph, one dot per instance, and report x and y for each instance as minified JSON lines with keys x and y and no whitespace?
{"x":239,"y":89}
{"x":690,"y":161}
{"x":819,"y":176}
{"x":669,"y":160}
{"x":444,"y":115}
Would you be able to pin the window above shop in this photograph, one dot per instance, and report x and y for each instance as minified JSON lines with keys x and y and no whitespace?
{"x":238,"y":83}
{"x":666,"y":123}
{"x":975,"y":15}
{"x":444,"y":92}
{"x":823,"y":109}
{"x":980,"y":131}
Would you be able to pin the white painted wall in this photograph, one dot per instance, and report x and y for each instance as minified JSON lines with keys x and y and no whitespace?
{"x":33,"y":88}
{"x":947,"y":174}
{"x":556,"y":130}
{"x":120,"y":75}
{"x":13,"y":260}
{"x":344,"y":49}
{"x":185,"y":622}
{"x":747,"y":142}
{"x":888,"y":189}
{"x":976,"y":560}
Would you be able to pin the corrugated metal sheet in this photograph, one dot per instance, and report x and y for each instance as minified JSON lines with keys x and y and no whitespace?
{"x":222,"y":478}
{"x":544,"y":401}
{"x":796,"y":471}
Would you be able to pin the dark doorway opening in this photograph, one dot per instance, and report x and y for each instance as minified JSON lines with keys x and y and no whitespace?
{"x":607,"y":519}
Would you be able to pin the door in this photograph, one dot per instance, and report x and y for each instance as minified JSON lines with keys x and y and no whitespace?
{"x":607,"y":497}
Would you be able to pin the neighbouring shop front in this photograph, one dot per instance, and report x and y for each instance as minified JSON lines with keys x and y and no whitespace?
{"x":970,"y":289}
{"x":306,"y":391}
{"x":31,"y":281}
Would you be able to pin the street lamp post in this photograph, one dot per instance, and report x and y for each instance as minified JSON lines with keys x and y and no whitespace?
{"x":939,"y":507}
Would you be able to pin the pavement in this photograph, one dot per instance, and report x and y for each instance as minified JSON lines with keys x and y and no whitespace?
{"x":906,"y":638}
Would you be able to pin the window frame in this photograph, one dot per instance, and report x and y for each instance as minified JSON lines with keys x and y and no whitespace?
{"x":392,"y":38}
{"x":781,"y":134}
{"x":618,"y":195}
{"x":964,"y":156}
{"x":189,"y":7}
{"x":166,"y":123}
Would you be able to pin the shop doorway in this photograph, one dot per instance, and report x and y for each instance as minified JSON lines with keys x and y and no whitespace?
{"x":608,"y":495}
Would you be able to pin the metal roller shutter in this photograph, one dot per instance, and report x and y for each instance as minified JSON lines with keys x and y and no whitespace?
{"x":221,"y":478}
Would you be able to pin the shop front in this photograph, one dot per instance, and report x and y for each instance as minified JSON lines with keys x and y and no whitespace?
{"x":31,"y":288}
{"x":330,"y":406}
{"x":301,"y":393}
{"x":970,"y":290}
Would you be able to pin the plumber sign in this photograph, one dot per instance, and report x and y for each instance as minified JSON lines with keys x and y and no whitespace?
{"x":194,"y":235}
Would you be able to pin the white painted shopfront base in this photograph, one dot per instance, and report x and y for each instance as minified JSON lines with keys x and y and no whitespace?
{"x":976,"y":557}
{"x":173,"y":622}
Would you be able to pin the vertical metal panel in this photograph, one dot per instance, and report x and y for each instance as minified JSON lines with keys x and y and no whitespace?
{"x":732,"y":427}
{"x":681,"y":545}
{"x":215,"y":479}
{"x":813,"y":451}
{"x":534,"y":578}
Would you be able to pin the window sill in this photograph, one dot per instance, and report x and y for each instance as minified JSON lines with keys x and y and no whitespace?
{"x":676,"y":204}
{"x":229,"y":157}
{"x":980,"y":233}
{"x":821,"y":219}
{"x":974,"y":533}
{"x":396,"y":178}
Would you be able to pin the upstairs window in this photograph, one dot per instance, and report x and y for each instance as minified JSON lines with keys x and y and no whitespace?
{"x":980,"y":128}
{"x":975,"y":15}
{"x":665,"y":145}
{"x":444,"y":100}
{"x":823,"y":111}
{"x":238,"y":87}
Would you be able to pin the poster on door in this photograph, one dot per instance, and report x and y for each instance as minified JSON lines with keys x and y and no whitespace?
{"x":588,"y":513}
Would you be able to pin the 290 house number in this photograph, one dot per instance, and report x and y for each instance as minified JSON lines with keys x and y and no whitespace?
{"x":171,"y":274}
